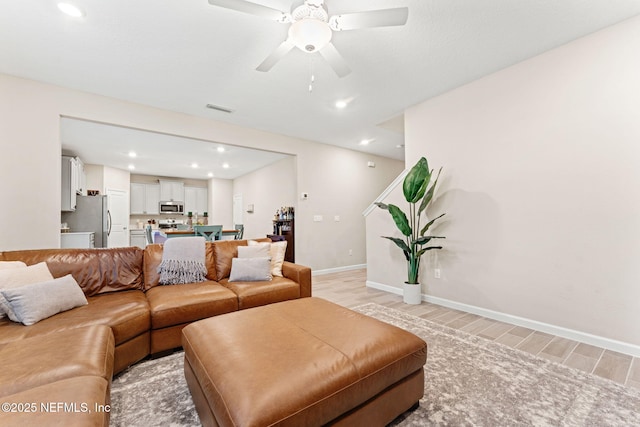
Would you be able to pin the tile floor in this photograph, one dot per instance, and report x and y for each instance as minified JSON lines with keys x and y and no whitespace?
{"x":348,"y":289}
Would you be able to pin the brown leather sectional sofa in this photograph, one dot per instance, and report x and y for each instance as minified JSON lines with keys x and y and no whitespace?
{"x":59,"y":370}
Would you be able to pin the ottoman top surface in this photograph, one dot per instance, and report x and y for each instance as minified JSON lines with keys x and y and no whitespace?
{"x":296,"y":360}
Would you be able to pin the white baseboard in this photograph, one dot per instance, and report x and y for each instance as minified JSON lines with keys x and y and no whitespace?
{"x":610,"y":344}
{"x":338,"y":269}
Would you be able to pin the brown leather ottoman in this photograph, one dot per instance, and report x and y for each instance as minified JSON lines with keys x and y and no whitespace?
{"x":304,"y":362}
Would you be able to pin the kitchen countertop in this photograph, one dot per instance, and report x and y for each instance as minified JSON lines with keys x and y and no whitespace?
{"x":77,"y":232}
{"x":170,"y":231}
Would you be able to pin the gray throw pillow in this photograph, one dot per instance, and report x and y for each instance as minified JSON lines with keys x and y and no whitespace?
{"x":31,"y":303}
{"x":257,"y":251}
{"x":250,"y":269}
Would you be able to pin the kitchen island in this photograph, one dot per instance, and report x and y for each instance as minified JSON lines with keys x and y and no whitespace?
{"x":171,"y":232}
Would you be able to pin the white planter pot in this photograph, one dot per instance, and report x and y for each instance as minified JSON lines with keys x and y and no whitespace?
{"x":412,"y":294}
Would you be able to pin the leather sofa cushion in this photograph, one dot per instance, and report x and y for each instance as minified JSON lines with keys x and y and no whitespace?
{"x":52,"y":357}
{"x":91,"y":390}
{"x":223,"y":252}
{"x":335,"y":360}
{"x":254,"y":294}
{"x":96,"y":271}
{"x":126,"y":312}
{"x":177,"y":304}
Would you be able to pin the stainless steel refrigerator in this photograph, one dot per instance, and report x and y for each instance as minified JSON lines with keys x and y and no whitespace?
{"x":91,"y":214}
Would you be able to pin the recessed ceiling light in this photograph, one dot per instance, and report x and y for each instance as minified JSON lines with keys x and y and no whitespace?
{"x":210,"y":174}
{"x":131,"y":167}
{"x":341,"y":103}
{"x":71,"y":10}
{"x":220,"y":149}
{"x":225,"y":165}
{"x":132,"y":154}
{"x":400,"y":146}
{"x":194,"y":165}
{"x":366,"y":141}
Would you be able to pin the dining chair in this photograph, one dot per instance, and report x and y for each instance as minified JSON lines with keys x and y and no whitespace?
{"x":148,"y":234}
{"x":159,"y":237}
{"x":209,"y":232}
{"x":240,"y":233}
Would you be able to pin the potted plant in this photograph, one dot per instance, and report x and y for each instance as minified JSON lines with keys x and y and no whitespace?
{"x":418,"y":193}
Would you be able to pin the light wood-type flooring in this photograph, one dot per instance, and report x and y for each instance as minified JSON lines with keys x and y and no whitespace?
{"x":348,"y":289}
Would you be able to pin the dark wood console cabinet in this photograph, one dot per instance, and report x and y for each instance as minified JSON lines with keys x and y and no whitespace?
{"x":284,"y":229}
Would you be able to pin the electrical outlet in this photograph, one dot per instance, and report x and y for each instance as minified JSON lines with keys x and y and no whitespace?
{"x":350,"y":252}
{"x":436,"y":273}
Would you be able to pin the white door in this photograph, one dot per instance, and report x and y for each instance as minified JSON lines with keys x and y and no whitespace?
{"x":119,"y":218}
{"x":237,"y":209}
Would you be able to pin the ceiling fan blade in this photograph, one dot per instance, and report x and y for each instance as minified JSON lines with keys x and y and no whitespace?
{"x":251,"y":8}
{"x":337,"y":62}
{"x":369,"y":19}
{"x":276,"y":55}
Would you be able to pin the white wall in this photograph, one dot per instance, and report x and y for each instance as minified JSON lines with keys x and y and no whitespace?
{"x":30,"y":165}
{"x":541,"y":187}
{"x":94,"y":176}
{"x":267,"y":189}
{"x":116,"y":179}
{"x":221,"y":202}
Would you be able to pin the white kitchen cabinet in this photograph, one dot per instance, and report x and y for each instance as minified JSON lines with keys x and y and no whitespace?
{"x":152,"y":199}
{"x":137,"y":238}
{"x":137,"y":194}
{"x":72,"y":182}
{"x":80,"y":177}
{"x":195,"y":200}
{"x":145,"y":199}
{"x":172,"y":191}
{"x":79,"y":240}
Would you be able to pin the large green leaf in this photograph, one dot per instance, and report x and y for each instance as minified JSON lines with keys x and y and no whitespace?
{"x":382,"y":205}
{"x":416,"y":182}
{"x":425,"y":239}
{"x":422,"y":251}
{"x":401,"y":244}
{"x":429,"y":224}
{"x":400,"y":219}
{"x":429,"y":195}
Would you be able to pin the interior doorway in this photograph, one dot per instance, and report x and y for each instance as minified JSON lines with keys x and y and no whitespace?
{"x":238,"y":215}
{"x":118,"y":218}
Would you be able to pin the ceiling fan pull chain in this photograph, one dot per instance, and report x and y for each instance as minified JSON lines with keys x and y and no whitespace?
{"x":313,"y":77}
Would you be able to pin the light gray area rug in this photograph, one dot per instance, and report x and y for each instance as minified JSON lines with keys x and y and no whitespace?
{"x":469,"y":381}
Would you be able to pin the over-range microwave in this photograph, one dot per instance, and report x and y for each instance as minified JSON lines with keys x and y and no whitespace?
{"x":172,"y":208}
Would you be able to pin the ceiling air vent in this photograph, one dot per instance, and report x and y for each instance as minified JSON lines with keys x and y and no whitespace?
{"x":219,"y":108}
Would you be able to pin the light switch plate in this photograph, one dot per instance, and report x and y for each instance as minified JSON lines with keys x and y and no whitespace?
{"x":317,"y":218}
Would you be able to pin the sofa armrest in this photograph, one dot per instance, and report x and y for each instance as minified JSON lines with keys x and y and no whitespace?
{"x":299,"y":274}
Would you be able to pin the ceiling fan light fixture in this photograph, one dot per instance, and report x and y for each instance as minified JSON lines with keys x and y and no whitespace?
{"x":310,"y":35}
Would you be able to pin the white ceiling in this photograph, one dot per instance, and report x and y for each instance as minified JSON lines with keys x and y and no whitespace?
{"x":182,"y":55}
{"x":159,"y":154}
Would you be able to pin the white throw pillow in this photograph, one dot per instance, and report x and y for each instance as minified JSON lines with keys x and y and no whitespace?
{"x":277,"y":251}
{"x":250,"y":270}
{"x":254,"y":251}
{"x":5,"y":265}
{"x":31,"y":303}
{"x":13,"y":277}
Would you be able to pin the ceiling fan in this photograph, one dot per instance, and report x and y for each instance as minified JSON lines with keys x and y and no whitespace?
{"x":311,"y":28}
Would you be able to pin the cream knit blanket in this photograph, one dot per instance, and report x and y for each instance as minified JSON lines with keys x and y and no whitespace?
{"x":183,"y":261}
